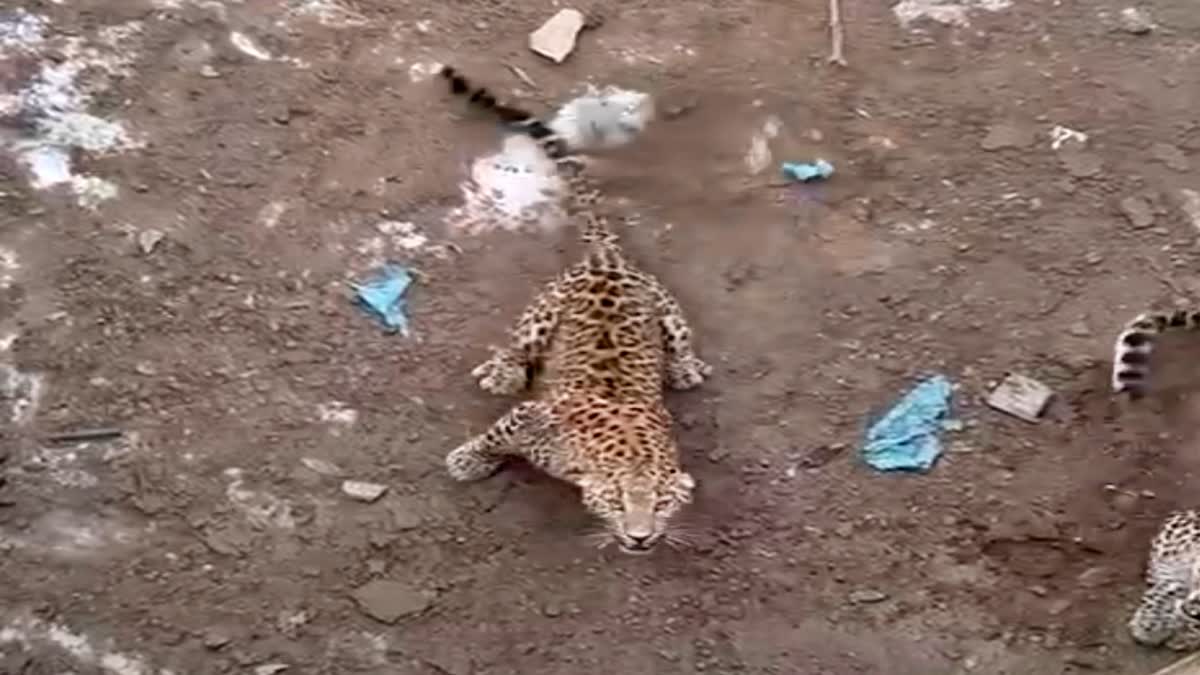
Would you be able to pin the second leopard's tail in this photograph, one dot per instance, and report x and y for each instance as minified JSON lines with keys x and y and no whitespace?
{"x":1131,"y":353}
{"x":583,"y":197}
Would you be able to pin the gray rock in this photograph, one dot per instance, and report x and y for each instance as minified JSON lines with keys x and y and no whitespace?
{"x":1138,"y":211}
{"x":1170,"y":155}
{"x":1136,"y":21}
{"x":388,"y":601}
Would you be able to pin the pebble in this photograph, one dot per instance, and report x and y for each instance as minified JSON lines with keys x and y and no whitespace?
{"x":1138,"y":211}
{"x":867,"y":596}
{"x":216,"y":639}
{"x":1004,"y":135}
{"x":148,"y":239}
{"x":388,"y":601}
{"x":1170,"y":155}
{"x":555,"y":39}
{"x":364,"y":492}
{"x":1079,"y":329}
{"x":321,"y":466}
{"x":1190,"y":205}
{"x":1021,"y":396}
{"x":1136,"y":21}
{"x":270,"y":668}
{"x":1094,"y":577}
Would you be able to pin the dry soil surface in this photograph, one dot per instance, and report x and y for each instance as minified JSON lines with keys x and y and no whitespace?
{"x":188,"y":186}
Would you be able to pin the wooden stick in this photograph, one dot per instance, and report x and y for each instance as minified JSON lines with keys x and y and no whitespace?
{"x":1188,"y":665}
{"x":835,"y":34}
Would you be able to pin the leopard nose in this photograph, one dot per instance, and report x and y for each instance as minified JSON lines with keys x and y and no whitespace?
{"x":640,"y":541}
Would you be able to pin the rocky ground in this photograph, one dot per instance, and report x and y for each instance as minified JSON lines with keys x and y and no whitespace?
{"x":188,"y":187}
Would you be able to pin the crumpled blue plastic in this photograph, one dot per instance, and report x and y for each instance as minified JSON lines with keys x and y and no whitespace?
{"x":383,"y":297}
{"x":906,"y":438}
{"x":807,"y":171}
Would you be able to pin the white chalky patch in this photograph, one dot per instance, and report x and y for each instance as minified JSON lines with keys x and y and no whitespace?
{"x":948,"y":12}
{"x":29,"y":631}
{"x":8,"y":267}
{"x":260,"y":508}
{"x":327,"y":12}
{"x":56,"y":99}
{"x":20,"y":393}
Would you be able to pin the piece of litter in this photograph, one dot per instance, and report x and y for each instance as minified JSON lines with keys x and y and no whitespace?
{"x":807,"y":171}
{"x":1060,"y":135}
{"x":362,"y":491}
{"x":555,"y":40}
{"x":906,"y":438}
{"x":1020,"y":396}
{"x":383,"y":296}
{"x":321,"y":466}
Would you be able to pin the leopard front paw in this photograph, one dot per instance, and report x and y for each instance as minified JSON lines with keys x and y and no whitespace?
{"x":468,"y":463}
{"x":502,"y":374}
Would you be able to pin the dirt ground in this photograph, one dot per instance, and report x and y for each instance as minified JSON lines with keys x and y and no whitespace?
{"x":203,"y":308}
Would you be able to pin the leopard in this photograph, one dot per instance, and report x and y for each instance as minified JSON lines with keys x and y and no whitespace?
{"x":1135,"y":344}
{"x":595,"y":349}
{"x":1169,"y":611}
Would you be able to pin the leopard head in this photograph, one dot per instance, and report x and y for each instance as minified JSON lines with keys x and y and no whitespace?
{"x":1189,"y":606}
{"x":637,"y":508}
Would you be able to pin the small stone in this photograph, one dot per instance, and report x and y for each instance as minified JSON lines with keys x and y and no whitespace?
{"x":552,"y":611}
{"x":1138,"y":211}
{"x":555,"y":40}
{"x":321,"y":466}
{"x":1079,"y":329}
{"x":1094,"y":577}
{"x":1136,"y":21}
{"x":362,"y":491}
{"x":388,"y":601}
{"x":821,"y":455}
{"x":1094,"y":258}
{"x":844,"y":530}
{"x":1190,"y":205}
{"x":1003,"y":135}
{"x":208,"y":71}
{"x":867,"y":596}
{"x":215,"y":640}
{"x":148,"y":239}
{"x":1081,"y":164}
{"x":1170,"y":155}
{"x":1058,"y":606}
{"x":1021,"y":396}
{"x":270,"y":668}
